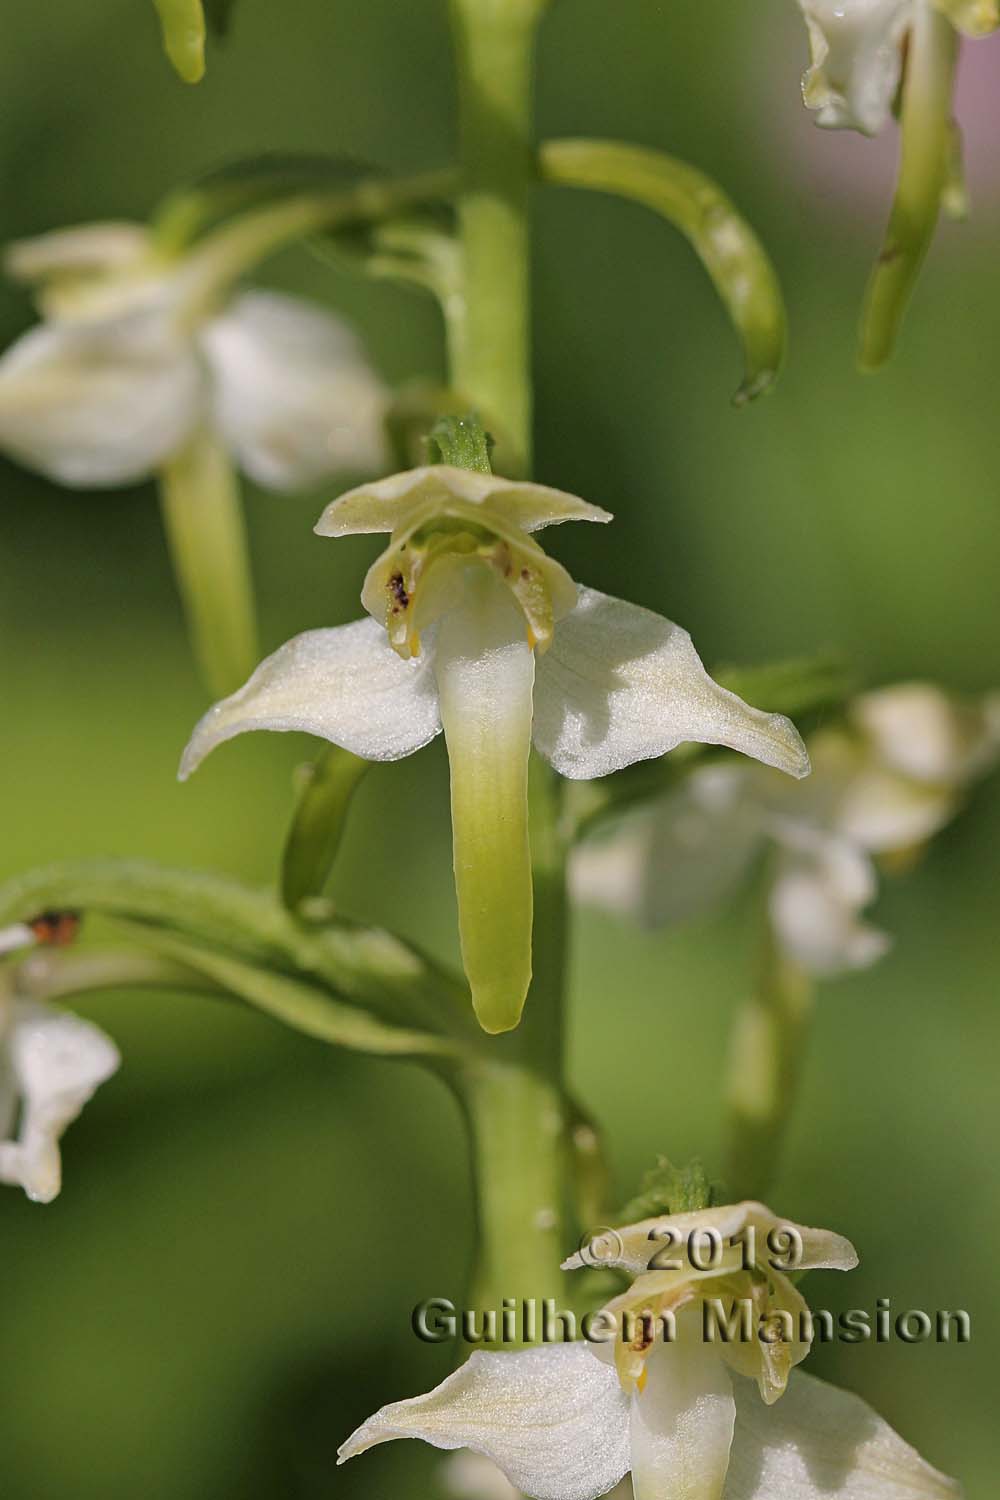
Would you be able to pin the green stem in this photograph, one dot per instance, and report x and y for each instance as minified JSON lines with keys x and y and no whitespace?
{"x":514,"y":1101}
{"x":516,"y":1120}
{"x":767,"y":1050}
{"x":203,"y":519}
{"x":319,"y":823}
{"x":58,"y":977}
{"x":225,"y":254}
{"x":927,"y":149}
{"x":494,"y":42}
{"x":541,"y":1036}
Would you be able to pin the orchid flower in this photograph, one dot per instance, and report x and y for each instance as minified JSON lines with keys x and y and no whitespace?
{"x":51,"y":1063}
{"x":692,"y":1417}
{"x":137,"y":355}
{"x":857,"y":49}
{"x":474,"y":630}
{"x":881,"y":787}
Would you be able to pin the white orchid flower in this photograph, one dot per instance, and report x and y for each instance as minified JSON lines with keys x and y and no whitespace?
{"x":474,"y":630}
{"x":132,"y":362}
{"x":857,"y":54}
{"x":882,"y":787}
{"x":51,"y":1062}
{"x":563,"y":1422}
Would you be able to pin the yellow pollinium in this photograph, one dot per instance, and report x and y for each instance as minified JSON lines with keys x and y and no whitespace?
{"x":422,"y":573}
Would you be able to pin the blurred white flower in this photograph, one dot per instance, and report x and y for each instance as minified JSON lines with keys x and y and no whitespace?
{"x":566,"y":1422}
{"x":470,"y":1476}
{"x":881,"y":787}
{"x":857,"y":55}
{"x":462,"y":601}
{"x":136,"y":355}
{"x":51,"y":1062}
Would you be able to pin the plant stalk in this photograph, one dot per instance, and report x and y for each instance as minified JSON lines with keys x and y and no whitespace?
{"x":494,"y":43}
{"x":514,"y":1102}
{"x":767,"y":1049}
{"x":206,"y":535}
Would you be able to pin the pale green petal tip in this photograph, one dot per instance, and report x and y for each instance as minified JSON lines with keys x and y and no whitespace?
{"x":499,"y":1000}
{"x":183,"y":23}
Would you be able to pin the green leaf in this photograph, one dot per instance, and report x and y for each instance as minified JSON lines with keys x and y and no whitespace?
{"x":666,"y":1189}
{"x":365,"y":966}
{"x":806,"y":685}
{"x":296,"y":1003}
{"x":247,"y":183}
{"x":726,"y":245}
{"x":318,"y":825}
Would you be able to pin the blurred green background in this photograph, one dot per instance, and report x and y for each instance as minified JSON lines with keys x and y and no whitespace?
{"x":223,"y":1289}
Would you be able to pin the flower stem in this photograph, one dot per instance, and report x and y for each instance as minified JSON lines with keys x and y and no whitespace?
{"x":516,"y":1121}
{"x":514,"y":1102}
{"x":494,"y":41}
{"x":203,"y":519}
{"x":318,"y":825}
{"x":927,"y":149}
{"x":767,"y":1049}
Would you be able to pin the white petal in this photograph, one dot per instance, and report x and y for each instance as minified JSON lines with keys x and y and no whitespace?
{"x":294,"y":396}
{"x":553,"y":1419}
{"x":882,"y":811}
{"x":682,"y":1422}
{"x":918,"y":730}
{"x":819,"y":1442}
{"x":676,"y":858}
{"x":620,"y":684}
{"x":822,"y":884}
{"x":17,"y":935}
{"x":856,"y":60}
{"x":485,"y":673}
{"x":853,"y":793}
{"x":79,"y":250}
{"x":101,"y":403}
{"x":346,"y":685}
{"x":380,"y":506}
{"x":57,"y":1061}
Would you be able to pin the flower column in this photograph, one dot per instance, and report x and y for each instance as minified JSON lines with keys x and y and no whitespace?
{"x":515,"y":1105}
